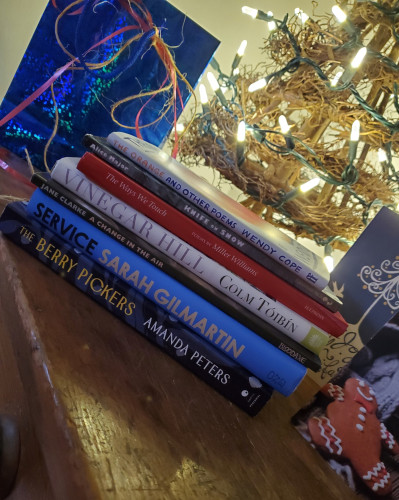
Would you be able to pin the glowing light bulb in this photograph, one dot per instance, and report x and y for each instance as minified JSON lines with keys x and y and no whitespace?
{"x":179,"y":128}
{"x":203,"y":94}
{"x":355,"y":132}
{"x":238,"y":56}
{"x":216,"y":88}
{"x":240,"y":147}
{"x":249,"y":11}
{"x":241,"y":131}
{"x":212,"y":81}
{"x":353,"y":143}
{"x":351,"y":69}
{"x":328,"y":258}
{"x":241,"y":48}
{"x":259,"y":84}
{"x":358,"y":59}
{"x":307,"y":186}
{"x":271,"y":24}
{"x":301,"y":14}
{"x":339,"y":13}
{"x":336,"y":78}
{"x":204,"y":101}
{"x":236,"y":72}
{"x":285,"y":128}
{"x":382,"y":156}
{"x":329,"y":262}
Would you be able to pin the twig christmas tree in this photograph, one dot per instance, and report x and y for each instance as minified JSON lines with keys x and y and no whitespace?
{"x":322,"y":105}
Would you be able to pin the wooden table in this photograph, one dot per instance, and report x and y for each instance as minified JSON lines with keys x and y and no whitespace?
{"x":104,"y":414}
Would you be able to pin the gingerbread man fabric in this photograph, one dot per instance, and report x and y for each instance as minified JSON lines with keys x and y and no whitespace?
{"x":351,"y":429}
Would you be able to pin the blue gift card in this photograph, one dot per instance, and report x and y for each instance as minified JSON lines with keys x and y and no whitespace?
{"x":85,"y":96}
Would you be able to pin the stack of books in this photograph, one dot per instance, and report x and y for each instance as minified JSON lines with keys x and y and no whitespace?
{"x":236,"y":301}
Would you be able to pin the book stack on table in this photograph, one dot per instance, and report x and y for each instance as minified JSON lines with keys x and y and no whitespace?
{"x":236,"y":301}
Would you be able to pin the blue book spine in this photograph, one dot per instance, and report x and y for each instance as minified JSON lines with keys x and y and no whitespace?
{"x":238,"y":342}
{"x":223,"y":374}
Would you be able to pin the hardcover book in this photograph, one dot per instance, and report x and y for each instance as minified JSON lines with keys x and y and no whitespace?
{"x":207,"y":255}
{"x":353,"y":422}
{"x":264,"y":360}
{"x":100,"y":147}
{"x":158,"y":326}
{"x":221,"y":207}
{"x":136,"y":244}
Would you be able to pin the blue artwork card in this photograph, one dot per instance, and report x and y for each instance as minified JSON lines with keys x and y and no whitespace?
{"x":85,"y":96}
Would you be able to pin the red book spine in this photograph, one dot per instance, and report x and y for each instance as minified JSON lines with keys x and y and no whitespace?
{"x":142,"y":200}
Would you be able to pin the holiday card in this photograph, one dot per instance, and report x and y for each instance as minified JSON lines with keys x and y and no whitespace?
{"x":353,"y":421}
{"x":367,"y":281}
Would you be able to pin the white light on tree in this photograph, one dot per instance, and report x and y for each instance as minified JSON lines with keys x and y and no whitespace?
{"x":358,"y":59}
{"x":241,"y":131}
{"x":354,"y":139}
{"x":212,"y":81}
{"x":204,"y":100}
{"x":203,"y":94}
{"x":238,"y":56}
{"x":285,"y":128}
{"x":336,"y":78}
{"x":307,"y":186}
{"x":240,"y":148}
{"x":271,"y":24}
{"x":249,"y":11}
{"x":329,"y":262}
{"x":259,"y":84}
{"x":301,"y":14}
{"x":355,"y":132}
{"x":241,"y":48}
{"x":216,"y":88}
{"x":339,"y":13}
{"x":354,"y":65}
{"x":382,"y":156}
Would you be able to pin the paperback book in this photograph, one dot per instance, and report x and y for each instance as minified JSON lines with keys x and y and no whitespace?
{"x":240,"y":343}
{"x":353,"y":422}
{"x":254,"y":287}
{"x":158,"y":326}
{"x":136,"y":244}
{"x":100,"y":147}
{"x":221,"y":207}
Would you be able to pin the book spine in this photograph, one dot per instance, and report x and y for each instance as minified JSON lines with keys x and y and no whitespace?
{"x":257,"y":355}
{"x":271,"y":241}
{"x":210,"y":257}
{"x":224,"y":375}
{"x":118,"y":161}
{"x":171,"y":267}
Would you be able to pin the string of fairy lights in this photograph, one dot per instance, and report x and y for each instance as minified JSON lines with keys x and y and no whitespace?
{"x":340,"y":81}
